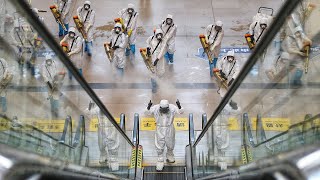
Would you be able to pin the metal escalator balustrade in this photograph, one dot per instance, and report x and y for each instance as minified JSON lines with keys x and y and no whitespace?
{"x":31,"y":99}
{"x":226,"y":143}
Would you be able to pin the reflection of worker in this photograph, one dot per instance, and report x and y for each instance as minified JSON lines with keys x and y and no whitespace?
{"x":64,"y":8}
{"x":130,"y":18}
{"x":156,"y":48}
{"x":22,"y":38}
{"x":295,"y":45}
{"x":75,"y":45}
{"x":214,"y":35}
{"x":53,"y":80}
{"x":229,"y":70}
{"x":87,"y":17}
{"x":165,"y":131}
{"x":169,"y":30}
{"x":5,"y":79}
{"x":108,"y":138}
{"x":118,"y":43}
{"x":258,"y":29}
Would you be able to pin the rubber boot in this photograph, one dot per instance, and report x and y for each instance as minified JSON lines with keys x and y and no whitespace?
{"x":103,"y":157}
{"x":127,"y":51}
{"x":133,"y":48}
{"x":166,"y":56}
{"x":170,"y":57}
{"x":154,"y":85}
{"x":297,"y":77}
{"x":113,"y":161}
{"x":215,"y":60}
{"x":170,"y":157}
{"x":89,"y":48}
{"x":233,"y":105}
{"x":4,"y":104}
{"x":80,"y":71}
{"x":160,"y":164}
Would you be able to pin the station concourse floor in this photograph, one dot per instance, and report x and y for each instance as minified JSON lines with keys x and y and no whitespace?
{"x":187,"y":79}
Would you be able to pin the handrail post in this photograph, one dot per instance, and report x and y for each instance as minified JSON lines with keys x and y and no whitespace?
{"x":123,"y":121}
{"x":191,"y":130}
{"x":204,"y":120}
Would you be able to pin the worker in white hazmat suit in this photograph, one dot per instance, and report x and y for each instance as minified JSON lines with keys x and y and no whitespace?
{"x":75,"y":46}
{"x":118,"y":42}
{"x":156,"y":47}
{"x":165,"y":132}
{"x":258,"y":29}
{"x":229,"y":70}
{"x":295,"y":46}
{"x":130,"y":18}
{"x":214,"y":35}
{"x":87,"y":16}
{"x":64,"y":7}
{"x":53,"y":80}
{"x":108,"y":138}
{"x":169,"y":30}
{"x":5,"y":78}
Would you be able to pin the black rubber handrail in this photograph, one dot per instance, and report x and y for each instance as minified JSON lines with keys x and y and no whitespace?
{"x":287,"y":131}
{"x":276,"y":25}
{"x":67,"y":128}
{"x":22,"y":7}
{"x":80,"y":136}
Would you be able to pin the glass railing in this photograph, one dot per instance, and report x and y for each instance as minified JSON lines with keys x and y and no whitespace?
{"x":40,"y":87}
{"x":272,"y":102}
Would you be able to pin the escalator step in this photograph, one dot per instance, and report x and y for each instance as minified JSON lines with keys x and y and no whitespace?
{"x":169,"y":172}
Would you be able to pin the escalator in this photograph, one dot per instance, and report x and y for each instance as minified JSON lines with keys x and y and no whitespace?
{"x":36,"y":142}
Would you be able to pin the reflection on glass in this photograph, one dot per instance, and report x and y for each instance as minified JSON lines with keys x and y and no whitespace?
{"x":37,"y":97}
{"x":277,"y":103}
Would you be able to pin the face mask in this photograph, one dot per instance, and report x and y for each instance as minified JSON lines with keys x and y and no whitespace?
{"x":159,"y":36}
{"x":230,"y":58}
{"x":169,"y":21}
{"x":130,"y":11}
{"x":48,"y":62}
{"x":71,"y":35}
{"x":263,"y":26}
{"x":86,"y":7}
{"x":218,"y":28}
{"x":117,"y":30}
{"x":297,"y":34}
{"x":164,"y":110}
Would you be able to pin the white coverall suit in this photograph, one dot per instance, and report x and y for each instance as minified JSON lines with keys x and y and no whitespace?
{"x":87,"y":17}
{"x":214,"y":38}
{"x":165,"y":131}
{"x":4,"y":74}
{"x":108,"y":139}
{"x":120,"y":40}
{"x":158,"y":49}
{"x":75,"y":50}
{"x":230,"y":69}
{"x":50,"y":75}
{"x":169,"y":35}
{"x":294,"y":47}
{"x":64,"y":9}
{"x":130,"y":24}
{"x":257,"y":31}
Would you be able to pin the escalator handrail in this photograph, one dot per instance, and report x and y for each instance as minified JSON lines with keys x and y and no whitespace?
{"x":22,"y":6}
{"x":35,"y":129}
{"x":276,"y":25}
{"x":67,"y":126}
{"x":287,"y":131}
{"x":14,"y":159}
{"x":80,"y":136}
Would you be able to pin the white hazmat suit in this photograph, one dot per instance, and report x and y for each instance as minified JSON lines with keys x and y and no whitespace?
{"x":75,"y":47}
{"x":108,"y":139}
{"x":64,"y":7}
{"x":258,"y":28}
{"x":119,"y":42}
{"x":5,"y":78}
{"x":214,"y":38}
{"x":130,"y":22}
{"x":169,"y":34}
{"x":87,"y":17}
{"x":165,"y":131}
